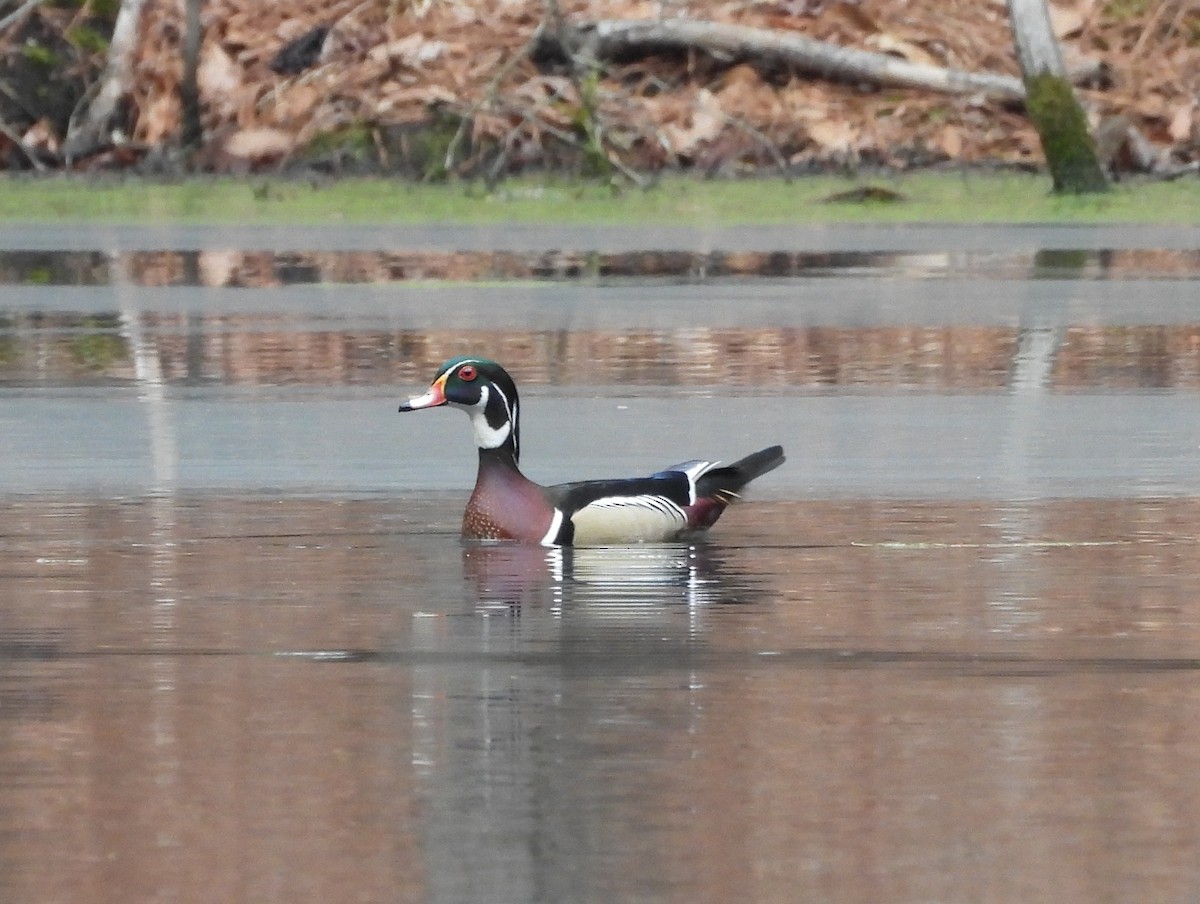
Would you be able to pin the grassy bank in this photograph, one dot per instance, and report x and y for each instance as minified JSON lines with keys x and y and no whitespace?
{"x":970,"y":197}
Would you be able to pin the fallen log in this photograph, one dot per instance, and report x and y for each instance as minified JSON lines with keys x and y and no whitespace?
{"x":615,"y":40}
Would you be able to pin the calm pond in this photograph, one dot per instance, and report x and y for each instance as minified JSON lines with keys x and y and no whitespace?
{"x":950,"y":651}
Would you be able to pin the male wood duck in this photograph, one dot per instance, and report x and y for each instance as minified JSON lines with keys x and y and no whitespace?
{"x":506,"y":505}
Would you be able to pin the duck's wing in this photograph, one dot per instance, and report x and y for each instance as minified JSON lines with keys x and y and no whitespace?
{"x":689,"y":496}
{"x":627,"y":510}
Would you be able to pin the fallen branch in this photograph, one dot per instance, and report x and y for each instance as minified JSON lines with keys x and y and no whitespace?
{"x":1178,"y":172}
{"x":613,"y":40}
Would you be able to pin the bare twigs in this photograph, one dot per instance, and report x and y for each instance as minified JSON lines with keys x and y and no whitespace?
{"x":11,"y":134}
{"x":19,"y":13}
{"x":583,"y":71}
{"x":593,"y":142}
{"x":488,"y":97}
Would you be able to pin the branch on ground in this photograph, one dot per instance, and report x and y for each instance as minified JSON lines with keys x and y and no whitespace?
{"x":613,"y":40}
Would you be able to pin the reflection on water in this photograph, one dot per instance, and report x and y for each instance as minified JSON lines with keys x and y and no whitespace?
{"x":349,"y":707}
{"x":1068,"y":320}
{"x":606,"y":581}
{"x":950,"y":653}
{"x":235,"y":350}
{"x":261,"y":269}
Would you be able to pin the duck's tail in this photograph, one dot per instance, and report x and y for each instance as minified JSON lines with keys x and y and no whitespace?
{"x":724,"y":483}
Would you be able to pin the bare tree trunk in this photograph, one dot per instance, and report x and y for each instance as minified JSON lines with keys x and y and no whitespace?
{"x":189,"y":88}
{"x":93,"y":128}
{"x":1051,"y":103}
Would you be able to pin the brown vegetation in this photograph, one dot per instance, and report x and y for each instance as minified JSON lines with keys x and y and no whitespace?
{"x":414,"y":86}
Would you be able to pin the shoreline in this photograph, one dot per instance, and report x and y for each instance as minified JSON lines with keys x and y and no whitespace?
{"x":965,"y":196}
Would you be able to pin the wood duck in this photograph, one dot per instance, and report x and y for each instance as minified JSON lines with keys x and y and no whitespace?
{"x":506,"y":505}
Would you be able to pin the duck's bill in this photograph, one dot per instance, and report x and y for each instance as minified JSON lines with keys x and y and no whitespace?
{"x":431,"y":399}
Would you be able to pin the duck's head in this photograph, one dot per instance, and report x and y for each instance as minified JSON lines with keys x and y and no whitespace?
{"x":484,"y":390}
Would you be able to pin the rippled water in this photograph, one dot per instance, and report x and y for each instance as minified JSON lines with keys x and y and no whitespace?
{"x":949,"y":652}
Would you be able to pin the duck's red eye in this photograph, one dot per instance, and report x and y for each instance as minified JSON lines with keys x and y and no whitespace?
{"x":467,"y":372}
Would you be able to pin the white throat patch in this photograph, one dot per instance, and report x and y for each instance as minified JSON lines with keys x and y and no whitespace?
{"x":486,"y":436}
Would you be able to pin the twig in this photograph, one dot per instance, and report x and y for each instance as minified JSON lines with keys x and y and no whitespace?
{"x":1149,"y":27}
{"x":10,"y":133}
{"x":488,"y":96}
{"x":738,"y":123}
{"x":570,"y":140}
{"x":501,"y":160}
{"x":593,"y":124}
{"x":18,"y":13}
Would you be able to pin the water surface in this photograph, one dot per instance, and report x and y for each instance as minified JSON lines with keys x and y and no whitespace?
{"x":949,"y":652}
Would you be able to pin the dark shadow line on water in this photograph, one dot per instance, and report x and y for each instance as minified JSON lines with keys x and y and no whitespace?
{"x":977,"y":664}
{"x":416,"y":531}
{"x":213,"y":538}
{"x":32,"y":648}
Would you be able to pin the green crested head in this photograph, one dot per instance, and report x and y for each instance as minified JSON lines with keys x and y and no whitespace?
{"x":483,"y":389}
{"x":482,"y":363}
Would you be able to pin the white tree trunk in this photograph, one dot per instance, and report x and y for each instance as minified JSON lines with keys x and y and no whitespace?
{"x":1033,"y":35}
{"x":92,"y":128}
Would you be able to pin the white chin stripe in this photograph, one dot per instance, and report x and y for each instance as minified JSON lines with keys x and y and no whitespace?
{"x":487,"y":436}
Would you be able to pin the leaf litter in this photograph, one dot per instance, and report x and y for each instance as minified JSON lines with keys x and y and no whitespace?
{"x":401,"y":78}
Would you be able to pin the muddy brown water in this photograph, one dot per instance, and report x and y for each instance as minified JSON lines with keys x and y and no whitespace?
{"x":949,"y":652}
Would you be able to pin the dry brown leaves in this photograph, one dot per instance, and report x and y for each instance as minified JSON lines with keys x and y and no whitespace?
{"x":388,"y":62}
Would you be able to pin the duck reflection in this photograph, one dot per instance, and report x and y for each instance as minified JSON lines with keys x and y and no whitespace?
{"x":612,"y":581}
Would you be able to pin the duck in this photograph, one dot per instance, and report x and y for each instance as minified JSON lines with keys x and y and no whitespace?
{"x":669,"y":505}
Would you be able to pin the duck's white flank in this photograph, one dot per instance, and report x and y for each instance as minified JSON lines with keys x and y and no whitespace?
{"x":625,"y":519}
